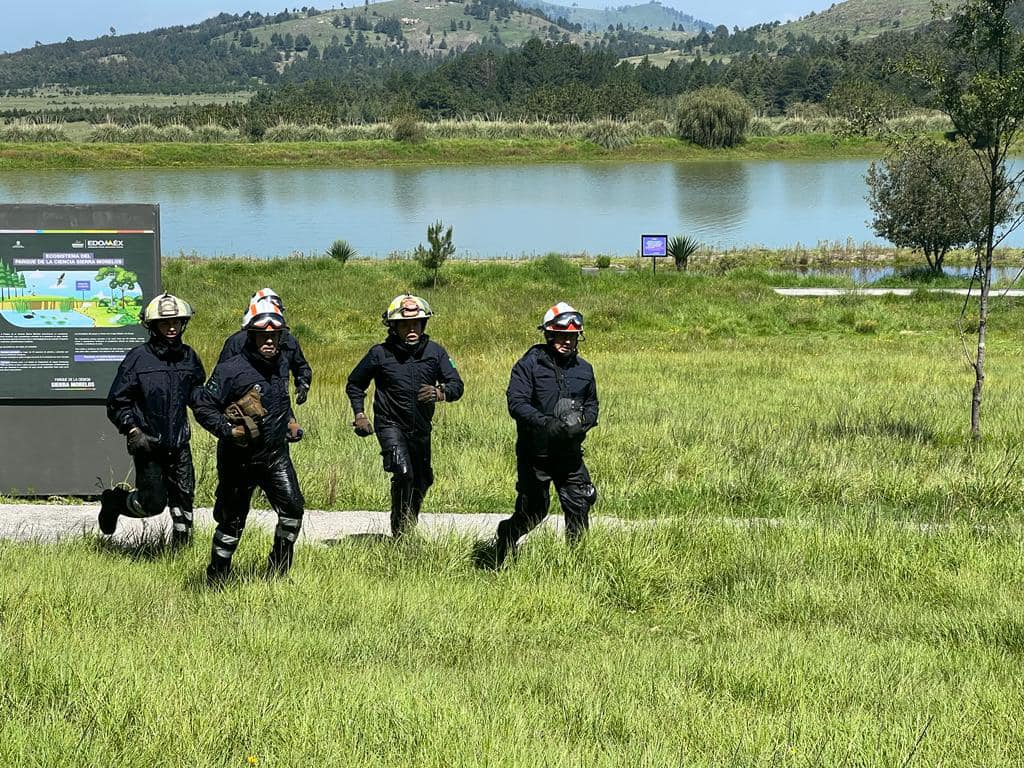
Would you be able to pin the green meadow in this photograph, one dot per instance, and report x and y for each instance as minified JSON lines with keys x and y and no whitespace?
{"x":835,"y":578}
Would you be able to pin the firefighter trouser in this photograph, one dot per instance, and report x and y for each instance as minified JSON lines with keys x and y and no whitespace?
{"x":164,"y":478}
{"x":533,"y":485}
{"x":407,"y":457}
{"x":238,"y":476}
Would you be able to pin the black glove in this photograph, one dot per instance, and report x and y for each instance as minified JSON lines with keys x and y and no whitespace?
{"x":362,"y":426}
{"x":576,"y":430}
{"x":555,"y":429}
{"x":428,"y":393}
{"x":139,"y":441}
{"x":301,"y":393}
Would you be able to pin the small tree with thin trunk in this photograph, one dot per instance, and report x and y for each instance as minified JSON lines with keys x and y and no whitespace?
{"x":978,"y":79}
{"x":441,"y":249}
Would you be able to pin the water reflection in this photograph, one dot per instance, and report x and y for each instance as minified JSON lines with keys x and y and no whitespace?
{"x":495,"y":211}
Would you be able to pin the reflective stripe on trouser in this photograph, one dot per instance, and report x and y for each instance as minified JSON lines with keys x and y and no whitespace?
{"x":237,"y":479}
{"x":181,"y":519}
{"x":162,"y":478}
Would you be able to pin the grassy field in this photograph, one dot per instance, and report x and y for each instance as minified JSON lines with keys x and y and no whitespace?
{"x":56,"y":98}
{"x":697,"y":645}
{"x":879,"y":623}
{"x":718,"y":395}
{"x":67,"y":155}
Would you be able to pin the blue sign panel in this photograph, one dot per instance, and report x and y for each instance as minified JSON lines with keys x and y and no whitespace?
{"x":82,"y":285}
{"x":654,"y":245}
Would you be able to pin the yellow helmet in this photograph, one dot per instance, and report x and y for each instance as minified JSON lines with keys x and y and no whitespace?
{"x":406,"y":307}
{"x":166,"y":307}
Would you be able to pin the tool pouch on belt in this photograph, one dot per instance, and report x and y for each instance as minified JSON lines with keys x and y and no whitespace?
{"x":249,"y":412}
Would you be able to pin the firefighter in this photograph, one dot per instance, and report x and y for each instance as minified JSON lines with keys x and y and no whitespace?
{"x":552,"y":395}
{"x":246,"y":405}
{"x":297,"y":363}
{"x":411,"y":374}
{"x":147,"y":402}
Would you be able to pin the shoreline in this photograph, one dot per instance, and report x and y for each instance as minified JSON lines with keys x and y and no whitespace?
{"x":388,"y":153}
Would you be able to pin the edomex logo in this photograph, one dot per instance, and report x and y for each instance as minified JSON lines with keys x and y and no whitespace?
{"x":105,"y":243}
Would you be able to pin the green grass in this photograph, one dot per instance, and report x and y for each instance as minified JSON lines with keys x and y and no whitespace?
{"x":716,"y":393}
{"x":17,"y":156}
{"x":878,"y":623}
{"x":696,"y":644}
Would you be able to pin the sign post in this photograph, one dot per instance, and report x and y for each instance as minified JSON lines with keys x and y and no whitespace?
{"x":72,"y":280}
{"x":653,"y":247}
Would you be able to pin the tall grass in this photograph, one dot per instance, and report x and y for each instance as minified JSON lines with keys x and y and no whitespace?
{"x":693,"y":644}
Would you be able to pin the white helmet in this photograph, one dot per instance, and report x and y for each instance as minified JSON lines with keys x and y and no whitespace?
{"x":562,"y":318}
{"x":407,"y":307}
{"x":166,"y":307}
{"x":267,"y":293}
{"x":263,"y":315}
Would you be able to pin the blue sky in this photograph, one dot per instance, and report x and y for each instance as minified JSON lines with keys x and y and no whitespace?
{"x":51,"y":21}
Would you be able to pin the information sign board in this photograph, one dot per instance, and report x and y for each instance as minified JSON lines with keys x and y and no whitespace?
{"x":69,"y":307}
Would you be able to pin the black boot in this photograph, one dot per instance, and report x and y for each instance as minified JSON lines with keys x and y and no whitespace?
{"x":403,"y":518}
{"x":218,"y":571}
{"x":279,"y":562}
{"x":113,"y":504}
{"x":181,"y":539}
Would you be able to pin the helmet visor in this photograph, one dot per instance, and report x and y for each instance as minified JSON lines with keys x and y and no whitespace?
{"x":266,"y":322}
{"x":567,"y":321}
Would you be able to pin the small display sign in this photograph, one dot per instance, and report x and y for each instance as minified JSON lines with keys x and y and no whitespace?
{"x":654,"y":245}
{"x":82,"y":285}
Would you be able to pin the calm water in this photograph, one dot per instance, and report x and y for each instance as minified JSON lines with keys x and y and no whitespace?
{"x":495,"y":211}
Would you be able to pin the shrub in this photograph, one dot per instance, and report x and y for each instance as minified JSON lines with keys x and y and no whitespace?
{"x":407,"y":129}
{"x":176,"y":132}
{"x":608,"y":134}
{"x":33,"y":132}
{"x":107,"y":133}
{"x":211,"y":133}
{"x":603,"y":262}
{"x":341,"y":250}
{"x":713,"y":117}
{"x":141,"y":133}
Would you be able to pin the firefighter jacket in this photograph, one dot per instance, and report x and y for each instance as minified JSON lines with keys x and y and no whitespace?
{"x":154,"y":385}
{"x":398,"y":372}
{"x":539,"y":379}
{"x":233,"y":378}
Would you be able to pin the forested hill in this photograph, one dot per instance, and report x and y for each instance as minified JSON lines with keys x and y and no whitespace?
{"x":229,"y":52}
{"x":651,"y":15}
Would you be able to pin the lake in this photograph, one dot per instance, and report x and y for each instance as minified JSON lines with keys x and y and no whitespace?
{"x":496,"y":211}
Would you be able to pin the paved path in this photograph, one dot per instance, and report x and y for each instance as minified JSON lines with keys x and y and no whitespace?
{"x":818,"y":292}
{"x":53,"y":522}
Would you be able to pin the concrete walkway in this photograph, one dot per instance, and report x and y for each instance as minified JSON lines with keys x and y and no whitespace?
{"x":820,"y":292}
{"x":53,"y":522}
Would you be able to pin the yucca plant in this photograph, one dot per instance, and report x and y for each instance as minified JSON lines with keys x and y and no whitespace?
{"x":681,"y":248}
{"x":341,"y":250}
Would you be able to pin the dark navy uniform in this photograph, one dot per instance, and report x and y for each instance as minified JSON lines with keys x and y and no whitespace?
{"x":154,"y":385}
{"x":545,"y":393}
{"x":264,"y":464}
{"x":402,"y":423}
{"x":290,"y":349}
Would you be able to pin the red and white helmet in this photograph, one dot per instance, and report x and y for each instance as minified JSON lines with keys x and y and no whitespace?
{"x":267,"y":293}
{"x":562,"y":318}
{"x":263,"y":315}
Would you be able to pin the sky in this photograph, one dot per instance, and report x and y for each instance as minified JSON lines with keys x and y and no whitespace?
{"x":52,"y":21}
